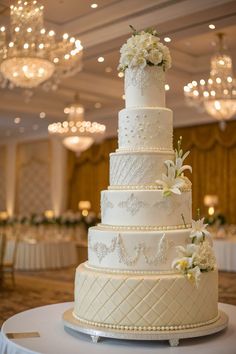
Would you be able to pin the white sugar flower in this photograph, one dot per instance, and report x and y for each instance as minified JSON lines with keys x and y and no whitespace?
{"x":194,"y":274}
{"x":182,"y":264}
{"x":155,"y":56}
{"x":170,"y":183}
{"x":144,"y":48}
{"x":205,"y":258}
{"x":178,"y":163}
{"x":199,"y":231}
{"x":180,"y":168}
{"x":189,"y":251}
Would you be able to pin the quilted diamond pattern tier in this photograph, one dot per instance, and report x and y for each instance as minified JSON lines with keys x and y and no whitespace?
{"x":144,"y":300}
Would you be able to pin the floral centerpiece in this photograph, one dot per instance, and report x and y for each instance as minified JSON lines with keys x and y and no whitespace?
{"x":67,"y":219}
{"x":144,"y":48}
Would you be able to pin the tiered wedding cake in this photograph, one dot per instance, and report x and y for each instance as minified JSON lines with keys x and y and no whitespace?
{"x":150,"y":266}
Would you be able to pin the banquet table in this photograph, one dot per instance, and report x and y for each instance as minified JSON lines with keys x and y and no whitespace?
{"x":54,"y":339}
{"x":45,"y":254}
{"x":225,"y":252}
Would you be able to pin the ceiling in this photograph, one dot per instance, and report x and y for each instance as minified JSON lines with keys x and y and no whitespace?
{"x":102,"y":31}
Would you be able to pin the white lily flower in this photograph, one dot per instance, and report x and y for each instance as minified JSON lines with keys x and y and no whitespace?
{"x":178,"y":164}
{"x":182,"y":264}
{"x":199,"y":230}
{"x":180,"y":168}
{"x":170,"y":183}
{"x":189,"y":251}
{"x":194,"y":274}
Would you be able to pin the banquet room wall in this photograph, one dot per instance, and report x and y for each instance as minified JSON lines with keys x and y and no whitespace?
{"x":33,"y":177}
{"x":213,"y":159}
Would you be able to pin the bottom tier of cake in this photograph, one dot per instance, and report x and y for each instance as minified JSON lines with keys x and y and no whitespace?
{"x":144,"y":301}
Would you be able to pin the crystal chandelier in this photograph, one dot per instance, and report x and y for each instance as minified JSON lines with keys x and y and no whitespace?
{"x":30,"y":55}
{"x":76,"y":133}
{"x":217,"y":95}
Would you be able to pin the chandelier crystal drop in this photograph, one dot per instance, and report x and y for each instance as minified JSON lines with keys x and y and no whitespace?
{"x":30,"y":55}
{"x":217,"y":94}
{"x":76,"y":133}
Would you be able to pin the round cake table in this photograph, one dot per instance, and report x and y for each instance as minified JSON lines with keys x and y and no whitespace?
{"x":41,"y":330}
{"x":45,"y":254}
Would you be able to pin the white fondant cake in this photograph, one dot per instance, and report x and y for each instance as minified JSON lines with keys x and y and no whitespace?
{"x":133,"y":278}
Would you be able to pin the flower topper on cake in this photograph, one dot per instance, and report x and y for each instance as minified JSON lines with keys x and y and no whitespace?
{"x":196,"y":257}
{"x":174,"y":180}
{"x":144,"y":48}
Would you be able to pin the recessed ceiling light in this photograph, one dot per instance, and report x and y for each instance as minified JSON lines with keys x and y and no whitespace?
{"x":121,"y":74}
{"x":167,"y":87}
{"x":42,"y":115}
{"x":17,"y":120}
{"x":98,"y":105}
{"x":108,"y":69}
{"x":21,"y":129}
{"x":101,"y":59}
{"x":35,"y":127}
{"x":211,"y":26}
{"x":123,"y":96}
{"x":167,"y":39}
{"x":94,"y":6}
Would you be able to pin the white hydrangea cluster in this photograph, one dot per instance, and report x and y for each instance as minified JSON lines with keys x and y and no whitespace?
{"x":196,"y":257}
{"x":144,"y":48}
{"x":205,"y":258}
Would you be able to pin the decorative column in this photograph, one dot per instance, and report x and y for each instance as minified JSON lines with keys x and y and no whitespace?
{"x":10,"y":177}
{"x":58,"y":176}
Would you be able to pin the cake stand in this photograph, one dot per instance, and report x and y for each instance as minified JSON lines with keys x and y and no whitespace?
{"x":173,"y":336}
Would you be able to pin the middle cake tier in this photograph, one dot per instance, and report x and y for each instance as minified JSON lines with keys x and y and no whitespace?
{"x":138,"y":168}
{"x":134,"y":250}
{"x":145,"y":208}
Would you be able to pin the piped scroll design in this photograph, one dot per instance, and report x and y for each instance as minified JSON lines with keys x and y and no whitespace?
{"x":117,"y":244}
{"x":132,"y":204}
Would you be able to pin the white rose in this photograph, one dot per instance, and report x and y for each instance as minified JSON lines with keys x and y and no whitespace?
{"x":155,"y":57}
{"x":138,"y":60}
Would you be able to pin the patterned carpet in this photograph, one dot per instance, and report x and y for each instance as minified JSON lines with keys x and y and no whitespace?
{"x":35,"y":289}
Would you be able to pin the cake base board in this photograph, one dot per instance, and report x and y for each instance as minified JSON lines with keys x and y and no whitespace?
{"x":173,"y":336}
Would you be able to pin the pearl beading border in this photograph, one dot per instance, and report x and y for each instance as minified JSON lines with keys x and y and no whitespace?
{"x":143,"y":187}
{"x":143,"y":228}
{"x":144,"y":150}
{"x":129,"y":272}
{"x":146,"y":328}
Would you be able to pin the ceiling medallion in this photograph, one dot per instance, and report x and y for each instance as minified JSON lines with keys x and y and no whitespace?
{"x":30,"y":55}
{"x":217,"y":95}
{"x":76,"y":133}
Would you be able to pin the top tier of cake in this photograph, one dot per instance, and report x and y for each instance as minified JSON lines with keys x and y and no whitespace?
{"x":145,"y":87}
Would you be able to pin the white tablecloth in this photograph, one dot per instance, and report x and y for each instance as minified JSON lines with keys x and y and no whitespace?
{"x":54,"y":339}
{"x":48,"y":254}
{"x":225,"y":251}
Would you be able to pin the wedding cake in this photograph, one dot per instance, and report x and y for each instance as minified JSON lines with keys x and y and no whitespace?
{"x":150,"y":266}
